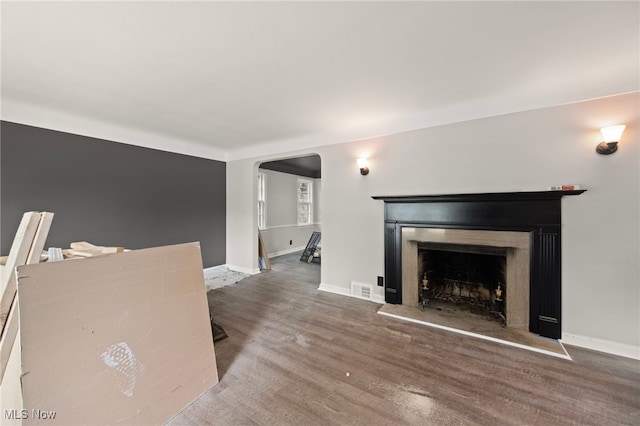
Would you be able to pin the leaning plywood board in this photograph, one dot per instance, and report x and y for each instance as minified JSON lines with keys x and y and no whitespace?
{"x":18,"y":255}
{"x":116,"y":339}
{"x":26,"y":248}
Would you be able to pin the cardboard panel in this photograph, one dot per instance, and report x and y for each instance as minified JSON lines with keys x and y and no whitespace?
{"x":116,"y":339}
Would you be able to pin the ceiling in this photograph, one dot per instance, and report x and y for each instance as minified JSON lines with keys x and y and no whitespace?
{"x":232,"y":80}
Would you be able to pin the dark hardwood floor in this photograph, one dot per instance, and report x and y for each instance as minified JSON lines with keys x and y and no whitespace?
{"x":297,"y":356}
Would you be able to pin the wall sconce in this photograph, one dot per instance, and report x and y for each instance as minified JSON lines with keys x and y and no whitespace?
{"x":611,"y":137}
{"x":362,"y":164}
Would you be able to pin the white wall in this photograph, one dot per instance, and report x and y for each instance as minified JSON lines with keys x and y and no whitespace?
{"x":518,"y":152}
{"x":242,"y":216}
{"x":282,"y":213}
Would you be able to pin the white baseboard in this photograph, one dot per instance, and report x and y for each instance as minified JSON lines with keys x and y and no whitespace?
{"x":287,"y":251}
{"x":249,"y":271}
{"x":601,"y":345}
{"x":343,"y":291}
{"x":377,"y":298}
{"x":293,"y":226}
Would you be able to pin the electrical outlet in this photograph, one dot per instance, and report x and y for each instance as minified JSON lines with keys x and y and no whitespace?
{"x":380,"y":282}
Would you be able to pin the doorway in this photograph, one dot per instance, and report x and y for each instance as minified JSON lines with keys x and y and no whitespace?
{"x":289,"y":209}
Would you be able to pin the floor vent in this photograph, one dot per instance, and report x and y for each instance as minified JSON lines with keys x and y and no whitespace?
{"x":361,"y":290}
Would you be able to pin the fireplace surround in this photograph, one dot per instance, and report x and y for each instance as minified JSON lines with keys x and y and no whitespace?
{"x":526,"y":224}
{"x":516,"y":246}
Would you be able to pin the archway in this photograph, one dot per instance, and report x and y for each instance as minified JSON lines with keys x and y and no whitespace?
{"x":289,"y":207}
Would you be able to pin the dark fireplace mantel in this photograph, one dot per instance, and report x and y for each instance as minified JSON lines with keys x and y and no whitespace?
{"x":538,"y":213}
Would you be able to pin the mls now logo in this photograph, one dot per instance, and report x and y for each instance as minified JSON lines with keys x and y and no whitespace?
{"x":16,"y":414}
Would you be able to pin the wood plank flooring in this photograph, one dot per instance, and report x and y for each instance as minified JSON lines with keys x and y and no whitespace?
{"x":297,"y":356}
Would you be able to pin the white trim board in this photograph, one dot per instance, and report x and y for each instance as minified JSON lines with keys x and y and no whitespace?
{"x":601,"y":345}
{"x":287,"y":251}
{"x":480,"y":336}
{"x":342,"y":291}
{"x":335,"y":289}
{"x":295,"y":225}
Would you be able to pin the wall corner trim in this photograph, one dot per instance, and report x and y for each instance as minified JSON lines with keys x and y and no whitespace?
{"x":601,"y":345}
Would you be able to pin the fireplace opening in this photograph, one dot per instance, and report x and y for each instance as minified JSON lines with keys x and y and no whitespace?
{"x":460,"y":277}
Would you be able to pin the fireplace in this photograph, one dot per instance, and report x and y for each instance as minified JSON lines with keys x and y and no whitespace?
{"x":453,"y":259}
{"x":524,"y":227}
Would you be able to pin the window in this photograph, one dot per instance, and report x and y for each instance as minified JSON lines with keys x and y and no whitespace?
{"x":305,"y":202}
{"x":262,"y":221}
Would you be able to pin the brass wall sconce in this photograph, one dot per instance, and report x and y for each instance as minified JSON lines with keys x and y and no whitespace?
{"x":611,"y":137}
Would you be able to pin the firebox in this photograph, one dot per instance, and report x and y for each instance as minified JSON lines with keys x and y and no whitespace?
{"x":525,"y":225}
{"x":463,"y":277}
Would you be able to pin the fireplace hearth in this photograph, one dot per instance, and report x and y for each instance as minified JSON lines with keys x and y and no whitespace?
{"x":526,"y":226}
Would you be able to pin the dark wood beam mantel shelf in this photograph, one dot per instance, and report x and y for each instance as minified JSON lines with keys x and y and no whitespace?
{"x":523,"y":195}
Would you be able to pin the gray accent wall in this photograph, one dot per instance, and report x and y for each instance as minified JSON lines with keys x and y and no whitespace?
{"x":110,"y":193}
